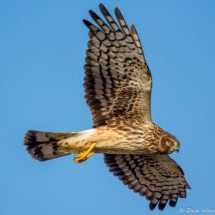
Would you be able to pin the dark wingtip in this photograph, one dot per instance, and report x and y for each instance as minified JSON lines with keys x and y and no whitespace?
{"x":161,"y":206}
{"x":101,"y":5}
{"x":93,"y":15}
{"x":103,"y":10}
{"x":152,"y":206}
{"x":116,"y":10}
{"x":172,"y":204}
{"x":87,"y":23}
{"x":118,"y":13}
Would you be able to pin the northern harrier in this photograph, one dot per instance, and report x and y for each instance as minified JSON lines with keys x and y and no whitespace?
{"x":118,"y":86}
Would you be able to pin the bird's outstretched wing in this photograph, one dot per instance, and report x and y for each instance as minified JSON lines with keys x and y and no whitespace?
{"x":118,"y":81}
{"x":158,"y":178}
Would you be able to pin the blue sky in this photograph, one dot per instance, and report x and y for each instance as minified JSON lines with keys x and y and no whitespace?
{"x":42,"y":52}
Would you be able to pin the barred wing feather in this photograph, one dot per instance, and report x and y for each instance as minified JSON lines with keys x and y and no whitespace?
{"x":118,"y":81}
{"x":158,"y":178}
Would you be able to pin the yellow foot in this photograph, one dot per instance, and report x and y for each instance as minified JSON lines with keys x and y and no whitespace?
{"x":83,"y":156}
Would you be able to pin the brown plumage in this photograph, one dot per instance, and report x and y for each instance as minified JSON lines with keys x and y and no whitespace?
{"x":118,"y":86}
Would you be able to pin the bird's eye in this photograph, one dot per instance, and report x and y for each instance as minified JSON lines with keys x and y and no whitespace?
{"x":171,"y":142}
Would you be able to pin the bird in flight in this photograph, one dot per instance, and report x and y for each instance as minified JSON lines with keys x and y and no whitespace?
{"x":118,"y":86}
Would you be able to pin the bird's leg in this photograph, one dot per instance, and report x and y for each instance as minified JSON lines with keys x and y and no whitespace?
{"x":83,"y":156}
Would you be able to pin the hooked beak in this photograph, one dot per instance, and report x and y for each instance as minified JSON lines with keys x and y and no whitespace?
{"x":177,"y":149}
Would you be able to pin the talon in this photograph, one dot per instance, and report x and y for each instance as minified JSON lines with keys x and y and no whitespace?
{"x":83,"y":156}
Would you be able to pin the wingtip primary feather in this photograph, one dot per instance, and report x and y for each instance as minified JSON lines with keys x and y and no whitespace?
{"x":93,"y":14}
{"x":152,"y":206}
{"x":101,"y":6}
{"x":134,"y":33}
{"x":86,"y":22}
{"x":107,"y":46}
{"x":117,"y":11}
{"x":165,"y":192}
{"x":137,"y":39}
{"x":122,"y":21}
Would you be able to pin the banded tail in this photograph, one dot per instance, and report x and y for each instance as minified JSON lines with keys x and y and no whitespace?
{"x":43,"y":145}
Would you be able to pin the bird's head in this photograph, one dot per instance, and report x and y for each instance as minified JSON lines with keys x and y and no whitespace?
{"x":169,"y":144}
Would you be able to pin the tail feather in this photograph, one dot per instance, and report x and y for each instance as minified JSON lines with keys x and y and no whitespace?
{"x":43,"y":145}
